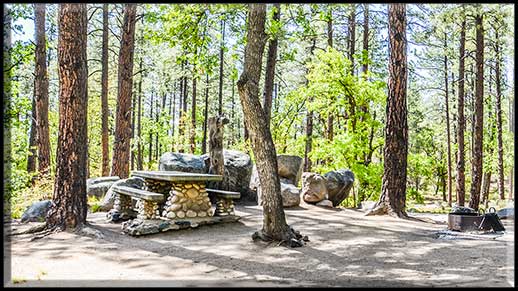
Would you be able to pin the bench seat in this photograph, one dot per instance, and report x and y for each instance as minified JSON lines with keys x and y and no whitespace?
{"x":139,"y":193}
{"x":224,"y":194}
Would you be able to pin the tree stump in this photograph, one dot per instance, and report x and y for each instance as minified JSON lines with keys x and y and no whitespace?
{"x":217,"y":160}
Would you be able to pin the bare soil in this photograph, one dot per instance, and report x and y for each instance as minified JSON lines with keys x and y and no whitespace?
{"x":345,"y":249}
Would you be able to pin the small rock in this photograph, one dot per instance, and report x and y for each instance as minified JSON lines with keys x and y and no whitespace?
{"x":191,"y":213}
{"x":325,"y":203}
{"x":36,"y":212}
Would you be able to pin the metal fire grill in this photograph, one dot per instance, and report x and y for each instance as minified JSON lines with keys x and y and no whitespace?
{"x":474,"y":221}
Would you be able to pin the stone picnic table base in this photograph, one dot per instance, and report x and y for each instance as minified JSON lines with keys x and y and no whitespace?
{"x":137,"y":227}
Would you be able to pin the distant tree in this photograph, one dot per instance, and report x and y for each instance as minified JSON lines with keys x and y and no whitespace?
{"x":477,"y":151}
{"x":121,"y":144}
{"x":461,"y":122}
{"x":395,"y":151}
{"x":41,"y":91}
{"x":105,"y":167}
{"x":69,"y":206}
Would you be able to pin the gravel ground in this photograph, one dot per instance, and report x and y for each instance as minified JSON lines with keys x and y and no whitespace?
{"x":345,"y":249}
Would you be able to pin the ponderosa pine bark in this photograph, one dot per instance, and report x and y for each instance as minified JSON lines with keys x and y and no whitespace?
{"x":476,"y":179}
{"x":330,"y":118}
{"x":395,"y":151}
{"x":205,"y":116}
{"x":274,"y":221}
{"x":365,"y":64}
{"x":69,"y":208}
{"x":309,"y":126}
{"x":41,"y":92}
{"x":501,"y":189}
{"x":33,"y":146}
{"x":447,"y":105}
{"x":193,"y":116}
{"x":270,"y":68}
{"x":461,"y":122}
{"x":105,"y":168}
{"x":352,"y":35}
{"x":121,"y":144}
{"x":221,"y":50}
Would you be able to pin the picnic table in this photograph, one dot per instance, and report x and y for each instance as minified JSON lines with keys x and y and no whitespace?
{"x":175,"y":195}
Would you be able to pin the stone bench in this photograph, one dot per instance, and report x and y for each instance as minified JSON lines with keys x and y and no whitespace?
{"x":224,"y":201}
{"x":147,"y":202}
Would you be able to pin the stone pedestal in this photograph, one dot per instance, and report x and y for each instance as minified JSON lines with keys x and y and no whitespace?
{"x":224,"y":206}
{"x":122,"y":209}
{"x":187,"y":200}
{"x":147,"y":209}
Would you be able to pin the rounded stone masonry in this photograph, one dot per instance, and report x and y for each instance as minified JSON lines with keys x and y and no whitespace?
{"x":187,"y":200}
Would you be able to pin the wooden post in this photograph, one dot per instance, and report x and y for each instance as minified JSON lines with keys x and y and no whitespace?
{"x":217,"y":162}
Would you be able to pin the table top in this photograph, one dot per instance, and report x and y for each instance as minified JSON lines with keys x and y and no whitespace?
{"x":176,"y":176}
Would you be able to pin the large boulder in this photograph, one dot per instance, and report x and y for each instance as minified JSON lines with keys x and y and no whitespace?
{"x":238,"y":170}
{"x":290,"y":195}
{"x":313,"y":187}
{"x":183,"y":162}
{"x":290,"y":167}
{"x":36,"y":212}
{"x":109,"y":198}
{"x":98,"y":187}
{"x":338,"y":184}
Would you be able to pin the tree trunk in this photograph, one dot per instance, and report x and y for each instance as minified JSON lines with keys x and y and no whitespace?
{"x":140,"y":158}
{"x":330,"y":117}
{"x":105,"y":169}
{"x":501,"y":190}
{"x":193,"y":116}
{"x":309,"y":126}
{"x":33,"y":147}
{"x":365,"y":64}
{"x":7,"y":93}
{"x":151,"y":105}
{"x":157,"y":118}
{"x":486,"y":182}
{"x":270,"y":68}
{"x":479,"y":117}
{"x":274,"y":221}
{"x":205,"y":116}
{"x":447,"y":105}
{"x":69,"y":207}
{"x":41,"y":90}
{"x":352,"y":36}
{"x":222,"y":47}
{"x":393,"y":190}
{"x":460,"y":186}
{"x":217,"y":161}
{"x":173,"y":114}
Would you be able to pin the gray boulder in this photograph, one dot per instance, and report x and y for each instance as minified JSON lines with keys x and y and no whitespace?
{"x":290,"y":195}
{"x":325,"y":203}
{"x":183,"y":162}
{"x":99,"y":186}
{"x":238,"y":171}
{"x":109,"y":198}
{"x":313,"y":187}
{"x":290,"y":167}
{"x":338,"y":184}
{"x":36,"y":212}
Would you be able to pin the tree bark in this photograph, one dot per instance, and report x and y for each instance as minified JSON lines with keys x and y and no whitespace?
{"x":460,"y":186}
{"x":486,"y":182}
{"x":151,"y":105}
{"x":270,"y":68}
{"x":33,"y":146}
{"x":309,"y":126}
{"x":393,"y":190}
{"x":69,"y":209}
{"x":274,"y":221}
{"x":447,"y":105}
{"x":121,"y":144}
{"x":217,"y":161}
{"x":41,"y":90}
{"x":365,"y":64}
{"x":7,"y":92}
{"x":479,"y":117}
{"x":221,"y":49}
{"x":330,"y":117}
{"x":105,"y":168}
{"x":501,"y":189}
{"x":352,"y":36}
{"x":193,"y":116}
{"x":205,"y":116}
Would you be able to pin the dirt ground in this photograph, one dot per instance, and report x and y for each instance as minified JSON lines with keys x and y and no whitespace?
{"x":346,"y":248}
